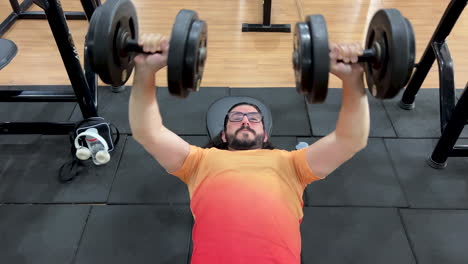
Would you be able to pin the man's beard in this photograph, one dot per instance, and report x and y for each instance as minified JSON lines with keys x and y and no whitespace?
{"x":245,"y":143}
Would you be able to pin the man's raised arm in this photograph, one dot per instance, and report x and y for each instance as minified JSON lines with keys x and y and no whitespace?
{"x":145,"y":118}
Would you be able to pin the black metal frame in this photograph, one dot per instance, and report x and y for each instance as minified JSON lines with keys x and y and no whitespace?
{"x":453,"y":115}
{"x":20,"y":12}
{"x":84,"y":83}
{"x":266,"y":26}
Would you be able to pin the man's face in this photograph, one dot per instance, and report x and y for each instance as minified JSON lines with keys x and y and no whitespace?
{"x":244,"y":134}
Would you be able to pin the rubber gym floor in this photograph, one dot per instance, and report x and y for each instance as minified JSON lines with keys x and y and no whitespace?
{"x":385,"y":205}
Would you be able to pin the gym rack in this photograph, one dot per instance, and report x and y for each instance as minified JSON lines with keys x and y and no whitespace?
{"x":84,"y":83}
{"x":453,"y":115}
{"x":266,"y":26}
{"x":20,"y":12}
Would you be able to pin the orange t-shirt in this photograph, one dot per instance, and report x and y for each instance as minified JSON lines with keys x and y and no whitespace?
{"x":247,"y":204}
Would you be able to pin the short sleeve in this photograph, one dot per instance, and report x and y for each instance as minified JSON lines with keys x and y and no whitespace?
{"x":303,"y":171}
{"x":190,"y":166}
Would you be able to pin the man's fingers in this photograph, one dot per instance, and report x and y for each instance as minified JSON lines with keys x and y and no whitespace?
{"x":142,"y":40}
{"x":345,"y":52}
{"x":146,"y":42}
{"x":151,"y":43}
{"x":334,"y":52}
{"x":155,"y":42}
{"x":354,"y":52}
{"x":165,"y":45}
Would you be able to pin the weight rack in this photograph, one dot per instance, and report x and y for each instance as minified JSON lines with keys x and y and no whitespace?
{"x":20,"y":12}
{"x":453,"y":116}
{"x":84,"y":83}
{"x":266,"y":26}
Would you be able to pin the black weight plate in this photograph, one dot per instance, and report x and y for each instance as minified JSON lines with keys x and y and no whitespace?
{"x":112,"y":18}
{"x":302,"y":61}
{"x":320,"y":63}
{"x":412,"y":50}
{"x":89,"y":39}
{"x":389,"y":28}
{"x":177,"y":48}
{"x":195,"y":57}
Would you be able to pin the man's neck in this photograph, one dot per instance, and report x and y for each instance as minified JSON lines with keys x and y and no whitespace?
{"x":255,"y":148}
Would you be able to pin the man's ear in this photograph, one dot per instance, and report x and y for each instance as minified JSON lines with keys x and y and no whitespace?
{"x":265,"y":138}
{"x":223,"y":136}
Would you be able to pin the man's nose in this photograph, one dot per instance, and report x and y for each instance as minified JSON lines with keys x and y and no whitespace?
{"x":245,"y":120}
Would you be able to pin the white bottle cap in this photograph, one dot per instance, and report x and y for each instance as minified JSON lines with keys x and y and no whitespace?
{"x":91,"y":131}
{"x":301,"y":145}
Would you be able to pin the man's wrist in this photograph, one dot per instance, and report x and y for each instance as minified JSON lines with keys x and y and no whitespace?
{"x":356,"y":84}
{"x":353,"y":79}
{"x":144,"y":78}
{"x":144,"y":71}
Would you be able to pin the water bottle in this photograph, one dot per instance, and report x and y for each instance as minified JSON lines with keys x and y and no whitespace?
{"x":98,"y":151}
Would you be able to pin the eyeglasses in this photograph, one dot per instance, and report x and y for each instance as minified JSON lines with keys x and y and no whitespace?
{"x":254,"y":117}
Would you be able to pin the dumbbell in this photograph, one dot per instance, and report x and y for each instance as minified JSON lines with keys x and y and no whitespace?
{"x":112,"y":43}
{"x":388,"y":56}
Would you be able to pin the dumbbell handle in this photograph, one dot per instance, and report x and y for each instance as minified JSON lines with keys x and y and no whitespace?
{"x":367,"y":55}
{"x":132,"y":45}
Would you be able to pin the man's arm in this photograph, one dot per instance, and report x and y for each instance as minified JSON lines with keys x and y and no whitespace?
{"x":145,"y":118}
{"x":352,"y":127}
